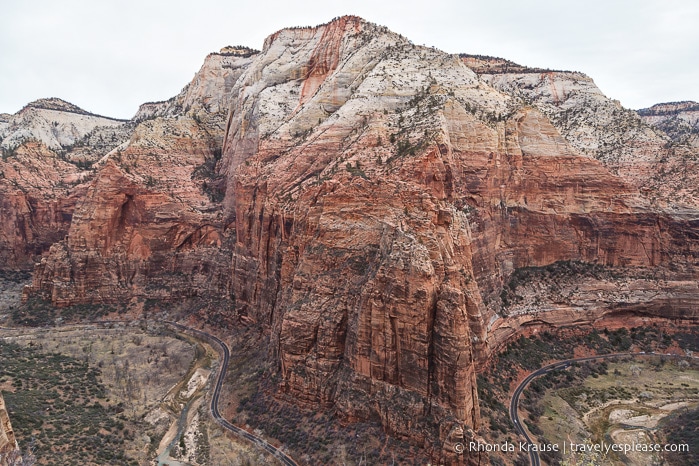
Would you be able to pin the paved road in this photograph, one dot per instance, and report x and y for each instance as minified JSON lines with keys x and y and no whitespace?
{"x":225,"y":353}
{"x":225,"y":359}
{"x":514,"y":405}
{"x":514,"y":401}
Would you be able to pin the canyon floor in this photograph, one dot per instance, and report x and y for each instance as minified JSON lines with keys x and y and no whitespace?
{"x":121,"y":394}
{"x":623,"y":403}
{"x":137,"y":394}
{"x":643,"y":399}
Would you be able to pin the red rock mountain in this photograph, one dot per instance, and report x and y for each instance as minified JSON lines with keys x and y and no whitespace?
{"x":371,"y":205}
{"x":44,"y":153}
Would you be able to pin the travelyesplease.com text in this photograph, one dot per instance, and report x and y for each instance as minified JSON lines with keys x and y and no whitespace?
{"x":570,"y":447}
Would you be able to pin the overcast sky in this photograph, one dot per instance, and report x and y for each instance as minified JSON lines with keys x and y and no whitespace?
{"x":108,"y":56}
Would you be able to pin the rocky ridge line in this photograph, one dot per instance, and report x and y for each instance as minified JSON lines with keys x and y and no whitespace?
{"x":628,"y":144}
{"x":678,"y":120}
{"x":368,"y":202}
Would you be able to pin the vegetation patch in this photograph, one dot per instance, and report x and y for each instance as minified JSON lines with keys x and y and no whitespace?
{"x":111,"y":381}
{"x":59,"y":403}
{"x":682,"y":428}
{"x":15,"y":276}
{"x":37,"y":312}
{"x":581,"y":388}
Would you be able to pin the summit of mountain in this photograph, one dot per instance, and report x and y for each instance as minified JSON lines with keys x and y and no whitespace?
{"x":369,"y":203}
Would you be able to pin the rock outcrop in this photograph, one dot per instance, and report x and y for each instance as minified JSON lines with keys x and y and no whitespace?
{"x":207,"y":98}
{"x":373,"y":205}
{"x":679,"y":120}
{"x":38,"y":192}
{"x":52,"y":150}
{"x":8,"y":443}
{"x":150,"y":225}
{"x":383,"y":195}
{"x":666,"y":174}
{"x":47,"y":148}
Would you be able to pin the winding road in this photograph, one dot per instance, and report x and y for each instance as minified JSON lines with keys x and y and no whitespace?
{"x":225,"y":353}
{"x":514,"y":404}
{"x":514,"y":401}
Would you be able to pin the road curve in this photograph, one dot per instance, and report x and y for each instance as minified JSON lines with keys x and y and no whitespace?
{"x":514,"y":401}
{"x":225,"y":353}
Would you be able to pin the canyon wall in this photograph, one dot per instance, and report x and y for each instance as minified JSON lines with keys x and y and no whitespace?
{"x":628,"y":144}
{"x":383,"y":196}
{"x":8,"y":443}
{"x":149,"y":225}
{"x":679,"y":120}
{"x":389,"y":214}
{"x":46,"y":147}
{"x":38,"y":193}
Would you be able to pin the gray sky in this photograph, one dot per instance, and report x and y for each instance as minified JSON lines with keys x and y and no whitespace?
{"x":109,"y":56}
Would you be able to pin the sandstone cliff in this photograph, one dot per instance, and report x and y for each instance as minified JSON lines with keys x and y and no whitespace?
{"x":38,"y":192}
{"x":383,"y":194}
{"x":208,"y":96}
{"x":46,"y":148}
{"x":374,"y":209}
{"x":8,"y":443}
{"x":599,"y":127}
{"x":53,"y":149}
{"x":679,"y":120}
{"x":149,"y":225}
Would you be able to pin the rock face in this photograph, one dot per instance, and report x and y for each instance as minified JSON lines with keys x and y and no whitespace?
{"x":383,"y":195}
{"x":375,"y":205}
{"x":150,"y":225}
{"x":8,"y":443}
{"x":52,"y":150}
{"x":46,"y":148}
{"x":679,"y":120}
{"x":666,"y":173}
{"x":38,"y":192}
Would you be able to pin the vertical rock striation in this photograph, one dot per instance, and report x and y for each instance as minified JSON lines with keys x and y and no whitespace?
{"x":383,"y":194}
{"x":372,"y":205}
{"x":8,"y":443}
